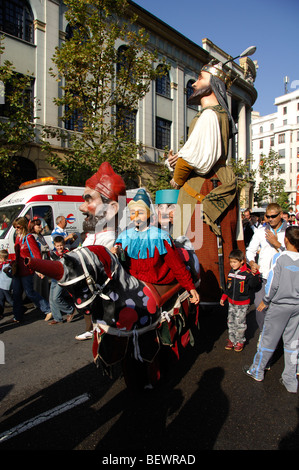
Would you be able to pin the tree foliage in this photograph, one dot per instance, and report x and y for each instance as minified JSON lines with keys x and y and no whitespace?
{"x":101,"y":87}
{"x":243,"y":171}
{"x":16,"y":121}
{"x":271,"y":185}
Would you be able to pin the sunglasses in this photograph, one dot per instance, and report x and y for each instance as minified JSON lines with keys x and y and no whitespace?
{"x":272,"y":216}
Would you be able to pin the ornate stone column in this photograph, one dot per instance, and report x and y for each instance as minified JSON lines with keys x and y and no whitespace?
{"x":242,"y":140}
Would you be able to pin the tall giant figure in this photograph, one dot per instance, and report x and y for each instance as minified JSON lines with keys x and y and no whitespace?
{"x":201,"y":174}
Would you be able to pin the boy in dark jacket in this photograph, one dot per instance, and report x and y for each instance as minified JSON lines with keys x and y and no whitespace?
{"x":241,"y":284}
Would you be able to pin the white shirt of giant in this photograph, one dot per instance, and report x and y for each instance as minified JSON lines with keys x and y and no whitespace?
{"x":203,"y":148}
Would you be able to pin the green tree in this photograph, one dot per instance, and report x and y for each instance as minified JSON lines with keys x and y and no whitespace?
{"x":243,"y":171}
{"x":283,"y":201}
{"x":16,"y":121}
{"x":101,"y":87}
{"x":162,"y":180}
{"x":271,"y":186}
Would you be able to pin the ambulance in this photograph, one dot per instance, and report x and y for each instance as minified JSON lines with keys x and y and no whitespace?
{"x":44,"y":199}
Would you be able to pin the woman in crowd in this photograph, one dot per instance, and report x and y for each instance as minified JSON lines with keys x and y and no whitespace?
{"x":40,"y":282}
{"x":26,"y":246}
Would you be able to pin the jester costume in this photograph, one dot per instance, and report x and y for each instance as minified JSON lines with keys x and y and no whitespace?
{"x":151,"y":256}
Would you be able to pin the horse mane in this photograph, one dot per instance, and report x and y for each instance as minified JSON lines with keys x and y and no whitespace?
{"x":104,"y":256}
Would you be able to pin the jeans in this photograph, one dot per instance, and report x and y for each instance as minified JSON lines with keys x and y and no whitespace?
{"x":59,"y":301}
{"x":5,"y":295}
{"x":25,"y":283}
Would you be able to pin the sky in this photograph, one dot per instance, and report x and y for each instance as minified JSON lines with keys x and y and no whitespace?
{"x":233,"y":25}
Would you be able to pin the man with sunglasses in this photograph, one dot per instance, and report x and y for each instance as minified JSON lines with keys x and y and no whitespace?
{"x":267,"y":240}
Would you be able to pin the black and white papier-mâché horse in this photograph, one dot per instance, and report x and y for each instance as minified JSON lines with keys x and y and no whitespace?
{"x":125,"y":311}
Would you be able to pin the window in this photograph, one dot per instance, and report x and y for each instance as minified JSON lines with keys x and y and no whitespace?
{"x":272,"y":127}
{"x":282,"y":168}
{"x":45,"y":214}
{"x":123,"y":62}
{"x":261,"y":129}
{"x":261,"y":144}
{"x":163,"y":83}
{"x":281,"y":138}
{"x":285,"y":110}
{"x":285,"y":121}
{"x":6,"y":107}
{"x":272,"y":142}
{"x":74,"y":121}
{"x":162,"y":133}
{"x":16,"y":18}
{"x":126,"y":120}
{"x":282,"y":153}
{"x":189,"y":92}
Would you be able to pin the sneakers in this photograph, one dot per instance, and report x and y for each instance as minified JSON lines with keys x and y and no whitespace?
{"x":84,"y":336}
{"x":229,"y":345}
{"x":248,"y":373}
{"x":239,"y":347}
{"x":236,"y":347}
{"x":282,"y":383}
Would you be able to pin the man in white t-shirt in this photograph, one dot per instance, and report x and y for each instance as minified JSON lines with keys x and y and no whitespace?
{"x":101,"y":207}
{"x":266,"y":242}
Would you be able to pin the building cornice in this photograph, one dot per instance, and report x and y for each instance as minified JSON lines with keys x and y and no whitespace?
{"x":202,"y":56}
{"x":157,"y":26}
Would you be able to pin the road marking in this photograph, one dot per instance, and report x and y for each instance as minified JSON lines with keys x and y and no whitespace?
{"x":30,"y":423}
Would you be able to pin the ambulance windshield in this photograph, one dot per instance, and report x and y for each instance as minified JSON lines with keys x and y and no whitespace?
{"x":7,"y":215}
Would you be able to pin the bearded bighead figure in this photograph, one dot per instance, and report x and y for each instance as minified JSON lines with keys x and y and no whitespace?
{"x":101,"y":206}
{"x":102,"y":198}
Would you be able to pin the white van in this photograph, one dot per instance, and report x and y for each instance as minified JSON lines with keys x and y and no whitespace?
{"x":45,"y":199}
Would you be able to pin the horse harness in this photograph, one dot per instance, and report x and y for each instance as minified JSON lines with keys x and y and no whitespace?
{"x":94,"y":288}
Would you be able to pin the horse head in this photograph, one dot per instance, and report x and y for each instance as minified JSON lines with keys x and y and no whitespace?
{"x":83,"y":272}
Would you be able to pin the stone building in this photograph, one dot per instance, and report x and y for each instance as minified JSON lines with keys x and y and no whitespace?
{"x":279,"y":131}
{"x":32,"y":30}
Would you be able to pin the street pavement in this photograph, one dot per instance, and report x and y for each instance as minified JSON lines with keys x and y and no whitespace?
{"x":205,"y":403}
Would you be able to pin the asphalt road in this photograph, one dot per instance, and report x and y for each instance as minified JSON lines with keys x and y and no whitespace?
{"x":53,"y":397}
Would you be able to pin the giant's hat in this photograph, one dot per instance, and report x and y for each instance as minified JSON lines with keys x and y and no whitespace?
{"x":106,"y":182}
{"x":141,"y":197}
{"x":167,"y":196}
{"x":214,"y":67}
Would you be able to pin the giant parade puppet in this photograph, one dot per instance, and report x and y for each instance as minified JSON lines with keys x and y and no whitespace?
{"x":205,"y":182}
{"x":140,"y":294}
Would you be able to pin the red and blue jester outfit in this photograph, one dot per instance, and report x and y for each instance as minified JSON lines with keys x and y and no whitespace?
{"x":152,"y":257}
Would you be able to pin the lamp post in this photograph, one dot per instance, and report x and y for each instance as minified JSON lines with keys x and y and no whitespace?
{"x":249,"y":51}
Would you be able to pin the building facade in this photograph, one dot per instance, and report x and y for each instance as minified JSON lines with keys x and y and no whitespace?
{"x":279,"y":131}
{"x":32,"y":29}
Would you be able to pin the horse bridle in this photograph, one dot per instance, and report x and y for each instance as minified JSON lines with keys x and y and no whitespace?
{"x":94,"y":288}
